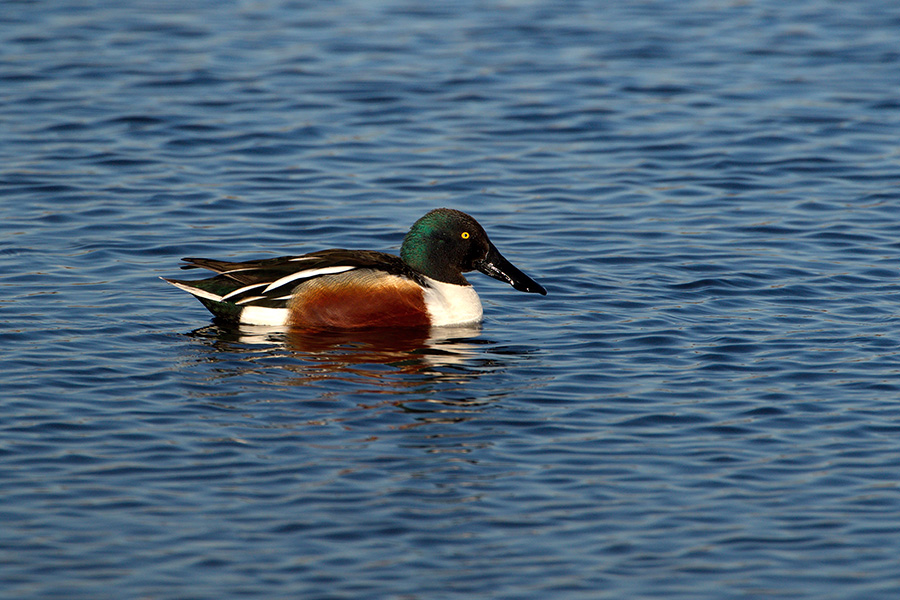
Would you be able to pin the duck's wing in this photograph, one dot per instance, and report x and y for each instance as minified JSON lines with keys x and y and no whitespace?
{"x":270,"y":282}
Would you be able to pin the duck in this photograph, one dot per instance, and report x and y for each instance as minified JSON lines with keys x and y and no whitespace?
{"x":341,"y":289}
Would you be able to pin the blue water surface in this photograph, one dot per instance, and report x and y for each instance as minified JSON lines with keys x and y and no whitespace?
{"x":705,"y":406}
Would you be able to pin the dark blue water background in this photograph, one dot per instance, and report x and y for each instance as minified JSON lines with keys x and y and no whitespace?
{"x":705,"y":406}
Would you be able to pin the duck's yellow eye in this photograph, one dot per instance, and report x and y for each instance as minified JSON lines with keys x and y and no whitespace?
{"x":465,"y":235}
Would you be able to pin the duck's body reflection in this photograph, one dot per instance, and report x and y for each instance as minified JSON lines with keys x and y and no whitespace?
{"x":416,"y":370}
{"x":406,"y":350}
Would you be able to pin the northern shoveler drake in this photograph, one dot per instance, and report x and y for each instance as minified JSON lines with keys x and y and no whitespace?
{"x":353,"y":289}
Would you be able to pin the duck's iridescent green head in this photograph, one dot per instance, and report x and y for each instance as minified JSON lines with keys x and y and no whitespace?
{"x":445,"y":243}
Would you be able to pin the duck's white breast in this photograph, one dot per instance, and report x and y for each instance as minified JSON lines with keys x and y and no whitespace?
{"x":450,"y":304}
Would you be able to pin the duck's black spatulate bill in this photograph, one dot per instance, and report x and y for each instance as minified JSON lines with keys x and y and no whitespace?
{"x":494,"y":265}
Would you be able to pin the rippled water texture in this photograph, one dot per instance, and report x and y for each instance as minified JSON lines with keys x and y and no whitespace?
{"x":705,"y":406}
